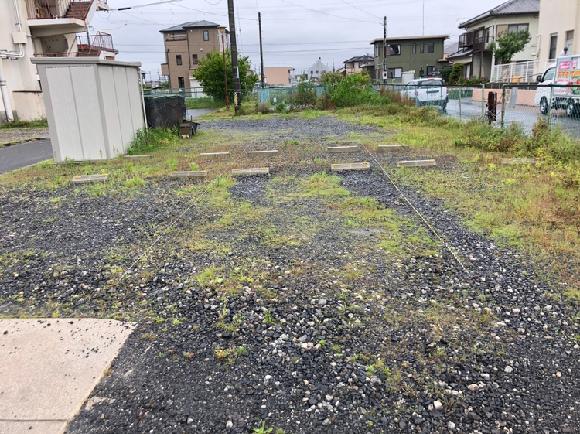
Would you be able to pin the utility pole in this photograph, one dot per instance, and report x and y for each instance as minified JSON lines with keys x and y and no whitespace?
{"x":261,"y":51}
{"x":385,"y":51}
{"x":234,"y":51}
{"x":423,"y":17}
{"x":227,"y":94}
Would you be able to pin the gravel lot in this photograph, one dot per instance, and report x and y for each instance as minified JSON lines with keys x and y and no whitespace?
{"x":303,"y":303}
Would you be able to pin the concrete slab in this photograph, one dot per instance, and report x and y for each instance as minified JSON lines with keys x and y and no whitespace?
{"x":350,"y":166}
{"x":251,"y":172}
{"x":214,"y":154}
{"x":189,"y":174}
{"x":138,"y":157}
{"x":417,"y":163}
{"x":264,"y":153}
{"x":343,"y":149}
{"x":389,"y":148}
{"x":50,"y":366}
{"x":89,"y":179}
{"x":518,"y":161}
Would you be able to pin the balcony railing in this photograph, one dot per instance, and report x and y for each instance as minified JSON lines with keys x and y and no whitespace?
{"x":100,"y":41}
{"x":54,"y":9}
{"x":476,"y":40}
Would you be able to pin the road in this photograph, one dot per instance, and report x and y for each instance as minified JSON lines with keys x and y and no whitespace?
{"x":526,"y":116}
{"x":23,"y":154}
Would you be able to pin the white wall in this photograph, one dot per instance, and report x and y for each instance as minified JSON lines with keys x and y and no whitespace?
{"x":558,"y":16}
{"x":19,"y":74}
{"x":94,"y":106}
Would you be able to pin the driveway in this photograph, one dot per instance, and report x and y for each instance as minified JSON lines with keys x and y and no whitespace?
{"x":23,"y":154}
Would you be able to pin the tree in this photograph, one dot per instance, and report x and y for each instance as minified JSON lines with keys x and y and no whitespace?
{"x":509,"y":44}
{"x":210,"y":73}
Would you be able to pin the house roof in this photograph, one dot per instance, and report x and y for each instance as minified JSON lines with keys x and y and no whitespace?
{"x":190,"y":25}
{"x":511,"y":7}
{"x":365,"y":58}
{"x":410,"y":38}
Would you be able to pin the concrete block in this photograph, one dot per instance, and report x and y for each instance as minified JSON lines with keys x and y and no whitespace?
{"x":214,"y":154}
{"x":89,"y":179}
{"x":251,"y":172}
{"x":518,"y":161}
{"x":264,"y":153}
{"x":189,"y":174}
{"x":417,"y":163}
{"x":49,"y":368}
{"x":350,"y":166}
{"x":138,"y":157}
{"x":343,"y":149}
{"x":389,"y":148}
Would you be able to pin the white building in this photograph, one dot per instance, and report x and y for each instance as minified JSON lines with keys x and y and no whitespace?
{"x":37,"y":28}
{"x":317,"y":70}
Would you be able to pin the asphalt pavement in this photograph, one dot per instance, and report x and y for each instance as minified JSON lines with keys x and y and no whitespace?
{"x":23,"y":154}
{"x":525,"y":116}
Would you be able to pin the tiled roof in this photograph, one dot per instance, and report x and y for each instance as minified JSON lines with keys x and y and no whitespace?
{"x":511,"y":7}
{"x":190,"y":25}
{"x":365,"y":58}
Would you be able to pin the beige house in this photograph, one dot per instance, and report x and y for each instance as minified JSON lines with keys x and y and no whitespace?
{"x":39,"y":28}
{"x":481,"y":32}
{"x":559,"y":27}
{"x":358,"y":64}
{"x":278,"y":75}
{"x":185,"y":46}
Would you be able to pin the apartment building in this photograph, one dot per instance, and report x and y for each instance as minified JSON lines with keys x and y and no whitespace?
{"x":278,"y":75}
{"x":559,"y":27}
{"x":476,"y":52}
{"x":420,"y":54}
{"x":37,"y":28}
{"x":186,"y":45}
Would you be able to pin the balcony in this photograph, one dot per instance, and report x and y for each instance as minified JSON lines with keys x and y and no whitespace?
{"x":58,"y":17}
{"x":99,"y":45}
{"x":478,"y":40}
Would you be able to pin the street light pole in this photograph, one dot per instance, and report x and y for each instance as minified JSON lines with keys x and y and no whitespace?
{"x":234,"y":51}
{"x":261,"y":51}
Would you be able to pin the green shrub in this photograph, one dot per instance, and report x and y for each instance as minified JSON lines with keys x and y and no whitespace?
{"x":149,"y":140}
{"x":305,"y":95}
{"x":352,"y":90}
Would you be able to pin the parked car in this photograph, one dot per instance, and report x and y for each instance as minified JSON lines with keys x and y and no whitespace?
{"x":427,"y":91}
{"x":559,"y":86}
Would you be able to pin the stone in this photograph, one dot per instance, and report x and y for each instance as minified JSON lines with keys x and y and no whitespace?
{"x":251,"y":172}
{"x":508,"y":370}
{"x":138,"y":157}
{"x":189,"y":174}
{"x":451,"y":425}
{"x":437,"y":405}
{"x":389,"y":148}
{"x":345,"y":167}
{"x":214,"y":154}
{"x":416,"y":163}
{"x":343,"y":149}
{"x":89,"y":179}
{"x":264,"y":153}
{"x":473,"y":387}
{"x":57,"y":365}
{"x":229,"y":424}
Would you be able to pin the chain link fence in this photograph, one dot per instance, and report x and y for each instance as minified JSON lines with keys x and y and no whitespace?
{"x":500,"y":104}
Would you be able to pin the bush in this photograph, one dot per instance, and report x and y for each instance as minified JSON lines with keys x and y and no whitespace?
{"x":149,"y":140}
{"x":305,"y":95}
{"x":351,"y":90}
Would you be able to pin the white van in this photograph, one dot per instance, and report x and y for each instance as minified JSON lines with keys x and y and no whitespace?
{"x":426,"y":91}
{"x":566,"y":74}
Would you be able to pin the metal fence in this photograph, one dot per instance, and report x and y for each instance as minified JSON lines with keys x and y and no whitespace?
{"x":520,"y":104}
{"x":277,"y":95}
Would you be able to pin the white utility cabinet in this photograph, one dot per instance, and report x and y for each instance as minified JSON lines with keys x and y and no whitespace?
{"x":94,"y":107}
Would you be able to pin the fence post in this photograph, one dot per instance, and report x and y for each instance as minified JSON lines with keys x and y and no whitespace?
{"x":550,"y":106}
{"x":502,"y":105}
{"x":459,"y":100}
{"x":483,"y":99}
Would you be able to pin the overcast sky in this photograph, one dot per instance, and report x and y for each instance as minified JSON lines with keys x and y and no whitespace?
{"x":295,"y":32}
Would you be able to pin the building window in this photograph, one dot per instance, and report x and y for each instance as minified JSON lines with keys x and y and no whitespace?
{"x":428,"y":47}
{"x":178,"y":59}
{"x":393,"y":49}
{"x":194,"y":59}
{"x":395,"y":73}
{"x":414,"y":49}
{"x":206,"y":35}
{"x":181,"y":82}
{"x":570,"y":41}
{"x":516,"y":28}
{"x":430,"y":71}
{"x":553,"y":46}
{"x":377,"y":50}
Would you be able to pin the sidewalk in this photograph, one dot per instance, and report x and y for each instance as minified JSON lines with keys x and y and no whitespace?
{"x":23,"y":154}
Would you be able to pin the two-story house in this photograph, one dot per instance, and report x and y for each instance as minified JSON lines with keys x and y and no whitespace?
{"x":32,"y":28}
{"x":476,"y":52}
{"x":186,"y":45}
{"x":358,"y":64}
{"x":420,"y":54}
{"x":559,"y":28}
